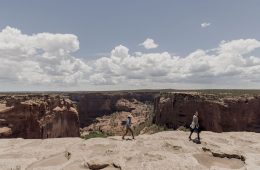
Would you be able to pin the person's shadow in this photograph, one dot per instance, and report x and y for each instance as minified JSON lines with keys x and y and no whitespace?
{"x":129,"y":139}
{"x":197,"y":141}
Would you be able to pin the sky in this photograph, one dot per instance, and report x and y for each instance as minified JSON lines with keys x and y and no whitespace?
{"x":138,"y":44}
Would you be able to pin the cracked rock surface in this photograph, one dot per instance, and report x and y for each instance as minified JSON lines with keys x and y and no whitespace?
{"x":165,"y":151}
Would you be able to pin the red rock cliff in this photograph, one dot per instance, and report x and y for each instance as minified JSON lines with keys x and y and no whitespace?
{"x":38,"y":117}
{"x":215,"y":114}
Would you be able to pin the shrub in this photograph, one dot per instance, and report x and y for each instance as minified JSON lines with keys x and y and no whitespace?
{"x":95,"y":134}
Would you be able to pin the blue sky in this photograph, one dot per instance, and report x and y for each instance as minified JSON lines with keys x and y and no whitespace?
{"x":102,"y":25}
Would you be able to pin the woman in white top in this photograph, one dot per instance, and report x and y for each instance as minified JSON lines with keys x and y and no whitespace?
{"x":128,"y":127}
{"x":195,"y":125}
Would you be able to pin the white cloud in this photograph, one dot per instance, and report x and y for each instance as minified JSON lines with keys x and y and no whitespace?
{"x":241,"y":46}
{"x":227,"y":63}
{"x":46,"y":59}
{"x":149,"y":44}
{"x":40,"y":58}
{"x":205,"y":24}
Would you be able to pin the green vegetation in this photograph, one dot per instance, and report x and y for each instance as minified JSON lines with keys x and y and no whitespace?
{"x":148,"y":127}
{"x":113,"y":117}
{"x":218,"y":92}
{"x":95,"y":134}
{"x":231,"y":92}
{"x":154,"y":128}
{"x":149,"y":119}
{"x":183,"y":128}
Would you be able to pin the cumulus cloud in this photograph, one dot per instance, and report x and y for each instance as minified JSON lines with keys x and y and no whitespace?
{"x":229,"y":62}
{"x":40,"y":58}
{"x":149,"y":44}
{"x":205,"y":24}
{"x":47,"y":58}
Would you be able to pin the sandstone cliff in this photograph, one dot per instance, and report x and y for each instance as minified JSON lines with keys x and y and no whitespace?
{"x":37,"y":116}
{"x":54,"y":115}
{"x":218,"y":114}
{"x":93,"y":105}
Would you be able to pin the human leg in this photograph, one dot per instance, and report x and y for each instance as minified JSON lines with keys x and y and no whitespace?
{"x":191,"y":131}
{"x":198,"y":133}
{"x":132,"y":132}
{"x":125,"y":133}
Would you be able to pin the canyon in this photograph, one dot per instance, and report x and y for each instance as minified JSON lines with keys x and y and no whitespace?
{"x":62,"y":118}
{"x":97,"y":104}
{"x":54,"y":115}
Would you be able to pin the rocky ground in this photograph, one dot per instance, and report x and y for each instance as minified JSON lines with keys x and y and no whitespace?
{"x":164,"y":150}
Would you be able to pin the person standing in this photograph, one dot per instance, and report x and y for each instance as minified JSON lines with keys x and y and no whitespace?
{"x":195,"y":125}
{"x":128,"y":127}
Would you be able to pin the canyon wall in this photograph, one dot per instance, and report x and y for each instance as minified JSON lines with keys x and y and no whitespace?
{"x":112,"y":123}
{"x":55,"y":115}
{"x":38,"y":116}
{"x":62,"y":115}
{"x":93,"y":105}
{"x":218,"y":114}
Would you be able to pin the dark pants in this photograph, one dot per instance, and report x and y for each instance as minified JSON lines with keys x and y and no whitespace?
{"x":196,"y":130}
{"x":128,"y":128}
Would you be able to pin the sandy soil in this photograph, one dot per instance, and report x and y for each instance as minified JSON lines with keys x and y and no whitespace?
{"x":164,"y":151}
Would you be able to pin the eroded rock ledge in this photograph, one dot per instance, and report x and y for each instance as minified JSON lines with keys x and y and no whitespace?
{"x":38,"y":116}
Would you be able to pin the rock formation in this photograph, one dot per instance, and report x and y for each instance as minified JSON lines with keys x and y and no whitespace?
{"x":61,"y":115}
{"x":218,"y":114}
{"x":111,"y":124}
{"x":163,"y":151}
{"x":54,"y":115}
{"x":93,"y":105}
{"x":36,"y":116}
